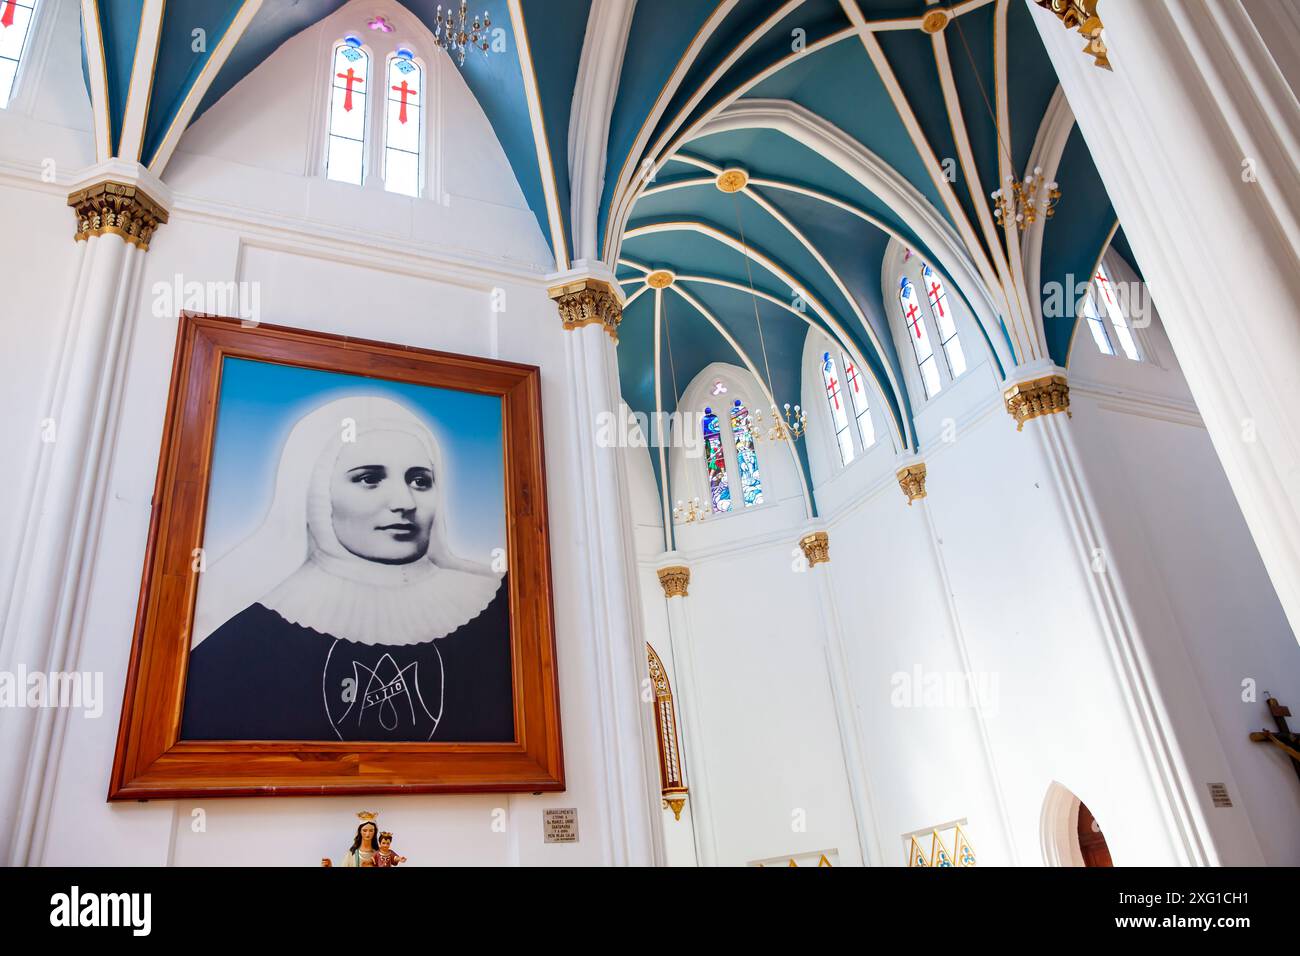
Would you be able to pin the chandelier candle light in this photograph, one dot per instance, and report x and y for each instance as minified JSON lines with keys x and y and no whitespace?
{"x":1024,"y":201}
{"x":454,"y":36}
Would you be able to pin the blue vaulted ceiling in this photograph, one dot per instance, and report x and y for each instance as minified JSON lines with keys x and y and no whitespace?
{"x":820,"y":229}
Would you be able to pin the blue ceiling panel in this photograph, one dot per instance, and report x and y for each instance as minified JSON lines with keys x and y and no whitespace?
{"x":1073,"y":241}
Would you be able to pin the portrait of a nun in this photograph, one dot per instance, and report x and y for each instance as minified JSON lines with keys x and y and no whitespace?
{"x":345,"y":615}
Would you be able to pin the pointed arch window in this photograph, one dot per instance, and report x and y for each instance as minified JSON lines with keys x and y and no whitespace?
{"x":742,"y":432}
{"x":1104,"y":298}
{"x":857,"y":390}
{"x":716,"y":461}
{"x":839,"y":414}
{"x":404,"y":125}
{"x":919,"y":336}
{"x":15,"y":26}
{"x":345,"y":157}
{"x":943,"y":320}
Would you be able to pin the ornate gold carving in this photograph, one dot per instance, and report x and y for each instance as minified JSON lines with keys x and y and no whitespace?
{"x":912,"y":480}
{"x":675,"y":804}
{"x":732,"y":180}
{"x":675,"y":580}
{"x":934,"y":21}
{"x":674,"y":790}
{"x":816,"y":548}
{"x":588,"y":302}
{"x":660,"y":279}
{"x":1082,"y":15}
{"x":1033,"y":399}
{"x":117,"y":208}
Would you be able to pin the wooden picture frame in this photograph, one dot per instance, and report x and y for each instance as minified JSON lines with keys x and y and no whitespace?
{"x":152,"y":761}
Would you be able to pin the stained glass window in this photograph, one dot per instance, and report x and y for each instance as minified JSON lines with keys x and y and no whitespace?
{"x":943,"y":319}
{"x":719,"y":492}
{"x":1097,"y":327}
{"x":916,"y":331}
{"x":15,"y":24}
{"x":857,"y":390}
{"x":345,"y":159}
{"x":404,"y":126}
{"x":1104,"y":292}
{"x":839,"y":414}
{"x":742,"y":431}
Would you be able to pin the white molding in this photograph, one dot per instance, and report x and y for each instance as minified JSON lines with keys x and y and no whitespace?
{"x":1049,"y":146}
{"x":594,"y":95}
{"x":874,"y":174}
{"x":135,"y":115}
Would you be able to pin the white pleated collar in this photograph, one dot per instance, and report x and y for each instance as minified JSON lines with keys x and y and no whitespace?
{"x":371,"y":603}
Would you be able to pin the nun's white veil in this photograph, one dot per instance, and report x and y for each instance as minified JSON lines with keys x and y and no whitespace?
{"x":295,"y":565}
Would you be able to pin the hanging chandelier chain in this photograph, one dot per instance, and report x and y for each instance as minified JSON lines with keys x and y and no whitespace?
{"x":749,"y":272}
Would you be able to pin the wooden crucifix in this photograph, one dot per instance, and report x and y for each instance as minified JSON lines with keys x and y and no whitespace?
{"x":1285,"y":738}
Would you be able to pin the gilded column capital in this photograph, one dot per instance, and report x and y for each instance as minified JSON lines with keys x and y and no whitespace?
{"x":1081,"y":15}
{"x":117,"y":208}
{"x":674,"y":580}
{"x":1036,"y":398}
{"x":911,"y":478}
{"x":816,"y":548}
{"x":588,"y":302}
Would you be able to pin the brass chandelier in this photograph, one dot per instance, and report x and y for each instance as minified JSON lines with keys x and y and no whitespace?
{"x":456,"y":36}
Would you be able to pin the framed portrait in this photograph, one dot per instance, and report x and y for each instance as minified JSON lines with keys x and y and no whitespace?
{"x":347,"y":584}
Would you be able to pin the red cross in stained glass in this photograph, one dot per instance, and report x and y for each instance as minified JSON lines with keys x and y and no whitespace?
{"x":351,"y":77}
{"x":851,"y":371}
{"x":1104,"y":284}
{"x":833,"y":390}
{"x":405,"y":91}
{"x":936,"y":293}
{"x":7,"y":18}
{"x":912,"y":318}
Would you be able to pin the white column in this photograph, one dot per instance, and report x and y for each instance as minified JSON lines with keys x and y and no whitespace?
{"x":816,"y":549}
{"x":1195,"y":134}
{"x":590,"y":310}
{"x":117,"y":207}
{"x":675,"y":579}
{"x":1165,"y":728}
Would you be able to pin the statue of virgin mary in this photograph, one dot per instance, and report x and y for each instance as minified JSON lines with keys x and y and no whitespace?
{"x":346,"y":616}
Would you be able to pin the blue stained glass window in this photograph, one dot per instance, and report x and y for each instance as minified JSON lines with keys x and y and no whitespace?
{"x":719,"y":491}
{"x":742,"y":430}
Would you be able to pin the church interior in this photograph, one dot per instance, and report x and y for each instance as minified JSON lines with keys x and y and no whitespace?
{"x":921,"y":446}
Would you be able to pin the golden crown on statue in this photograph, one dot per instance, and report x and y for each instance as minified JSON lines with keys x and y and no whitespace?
{"x":365,"y":816}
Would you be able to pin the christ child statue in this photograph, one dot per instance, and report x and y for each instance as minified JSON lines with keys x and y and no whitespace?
{"x":385,"y":856}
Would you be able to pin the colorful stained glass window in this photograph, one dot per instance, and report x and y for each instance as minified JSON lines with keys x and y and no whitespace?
{"x":857,"y":390}
{"x":742,"y":431}
{"x":920,"y":337}
{"x":719,"y":492}
{"x":15,"y":25}
{"x":1104,"y":292}
{"x":839,"y":414}
{"x":345,"y":158}
{"x":943,"y":320}
{"x":404,"y":125}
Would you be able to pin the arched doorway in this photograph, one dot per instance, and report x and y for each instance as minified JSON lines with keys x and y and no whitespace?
{"x":1070,"y":833}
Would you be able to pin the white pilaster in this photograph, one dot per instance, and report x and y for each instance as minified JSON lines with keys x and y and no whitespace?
{"x":688,"y":713}
{"x":846,"y":710}
{"x":1195,"y":134}
{"x":615,"y":633}
{"x":43,"y":627}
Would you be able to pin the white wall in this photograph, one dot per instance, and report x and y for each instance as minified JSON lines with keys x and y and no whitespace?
{"x":326,"y":258}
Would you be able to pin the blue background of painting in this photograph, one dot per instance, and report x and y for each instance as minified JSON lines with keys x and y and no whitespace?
{"x":261,"y":402}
